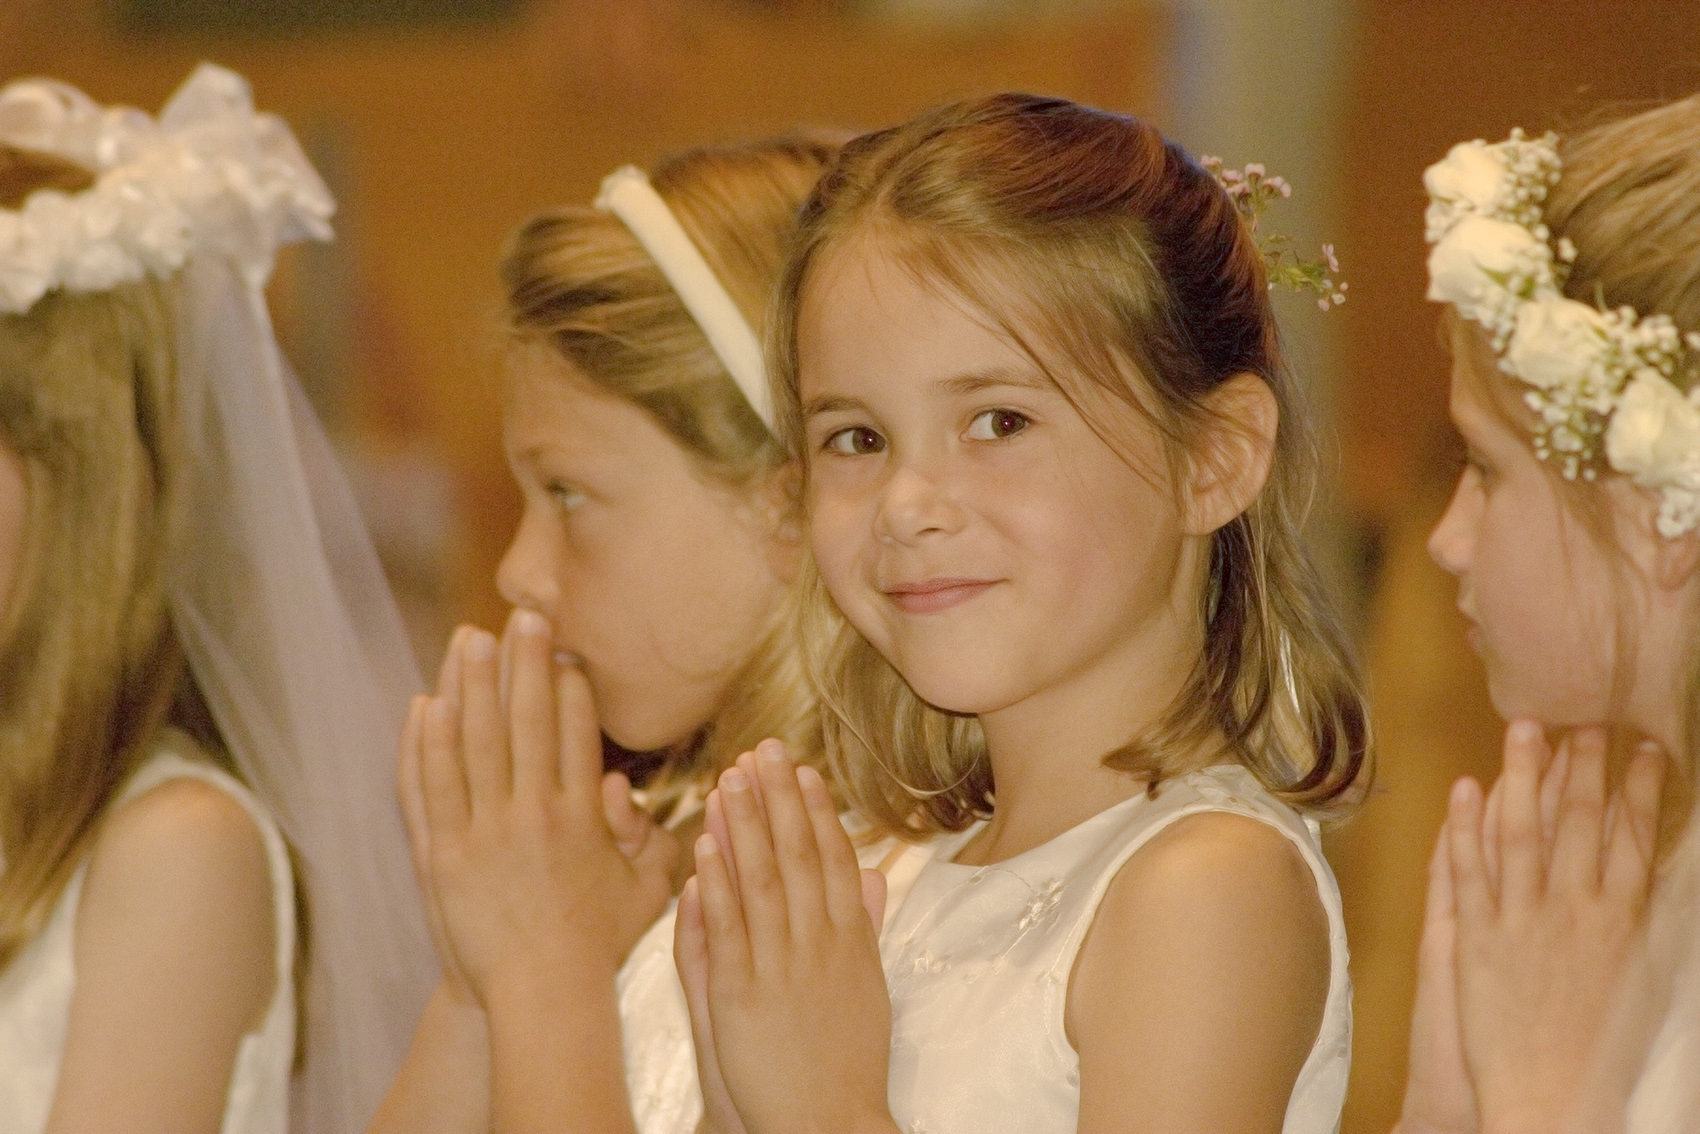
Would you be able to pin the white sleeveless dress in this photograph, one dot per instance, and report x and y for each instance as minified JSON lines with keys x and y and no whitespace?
{"x":978,"y":960}
{"x":36,"y":990}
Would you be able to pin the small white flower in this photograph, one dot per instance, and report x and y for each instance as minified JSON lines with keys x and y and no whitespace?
{"x":1557,"y":343}
{"x":1654,"y":435}
{"x":1480,"y":252}
{"x":1469,"y":179}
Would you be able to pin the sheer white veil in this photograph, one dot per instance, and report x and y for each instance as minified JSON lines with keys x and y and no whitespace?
{"x":276,"y":593}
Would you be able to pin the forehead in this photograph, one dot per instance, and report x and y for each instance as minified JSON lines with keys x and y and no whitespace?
{"x":550,"y":404}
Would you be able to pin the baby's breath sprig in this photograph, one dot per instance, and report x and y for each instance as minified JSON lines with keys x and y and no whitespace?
{"x":1253,"y":189}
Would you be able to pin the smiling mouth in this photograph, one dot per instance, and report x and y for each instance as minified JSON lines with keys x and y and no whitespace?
{"x":934,"y":595}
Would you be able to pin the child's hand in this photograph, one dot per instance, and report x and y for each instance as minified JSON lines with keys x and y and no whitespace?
{"x":541,"y":867}
{"x":778,"y":934}
{"x":1545,"y":941}
{"x":410,"y":788}
{"x":1439,"y":1098}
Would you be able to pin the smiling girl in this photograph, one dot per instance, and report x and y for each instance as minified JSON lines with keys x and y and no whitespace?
{"x":1068,"y":639}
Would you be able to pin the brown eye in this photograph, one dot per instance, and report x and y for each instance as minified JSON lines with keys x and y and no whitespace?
{"x":856,"y":440}
{"x":996,"y":424}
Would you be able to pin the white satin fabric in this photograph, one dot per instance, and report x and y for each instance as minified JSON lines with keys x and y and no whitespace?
{"x":978,"y":961}
{"x":36,"y":989}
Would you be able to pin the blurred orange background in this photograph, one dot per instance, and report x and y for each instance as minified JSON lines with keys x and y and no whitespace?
{"x":440,"y":136}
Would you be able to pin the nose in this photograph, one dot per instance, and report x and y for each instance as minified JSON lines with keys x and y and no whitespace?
{"x":1452,"y":542}
{"x":914,"y":504}
{"x":524,"y":576}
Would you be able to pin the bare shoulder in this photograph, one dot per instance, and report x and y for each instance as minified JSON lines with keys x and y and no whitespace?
{"x":183,"y":861}
{"x":1207,"y":967}
{"x":1216,"y":864}
{"x":176,"y":960}
{"x":182,"y":822}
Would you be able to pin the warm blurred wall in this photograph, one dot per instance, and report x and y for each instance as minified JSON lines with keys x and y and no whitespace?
{"x":1426,"y":75}
{"x":440,"y":141}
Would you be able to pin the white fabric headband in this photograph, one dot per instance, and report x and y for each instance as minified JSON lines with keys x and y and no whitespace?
{"x":628,"y":194}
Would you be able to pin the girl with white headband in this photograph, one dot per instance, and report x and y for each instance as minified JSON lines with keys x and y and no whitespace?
{"x":1560,"y":980}
{"x":649,"y":578}
{"x":186,"y":596}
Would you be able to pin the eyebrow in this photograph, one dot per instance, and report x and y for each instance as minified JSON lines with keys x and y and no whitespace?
{"x":992,"y":378}
{"x":972,"y":382}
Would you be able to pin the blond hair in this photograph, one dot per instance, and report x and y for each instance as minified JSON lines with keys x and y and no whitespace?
{"x":1136,"y":275}
{"x":1628,"y":199}
{"x":89,"y":665}
{"x":579,"y":283}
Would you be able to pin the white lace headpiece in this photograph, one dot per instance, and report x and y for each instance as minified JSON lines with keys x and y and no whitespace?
{"x":1600,"y":380}
{"x":628,"y":194}
{"x":276,"y":592}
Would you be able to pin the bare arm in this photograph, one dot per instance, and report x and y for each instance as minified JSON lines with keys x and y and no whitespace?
{"x":175,"y":955}
{"x":443,"y":1086}
{"x":1200,"y":989}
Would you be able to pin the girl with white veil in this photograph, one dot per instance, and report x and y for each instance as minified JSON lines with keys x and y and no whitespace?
{"x":190,"y":586}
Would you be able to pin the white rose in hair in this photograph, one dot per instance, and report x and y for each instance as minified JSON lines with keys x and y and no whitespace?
{"x":1557,"y":342}
{"x":1654,"y":435}
{"x":1478,"y":249}
{"x":1470,"y":177}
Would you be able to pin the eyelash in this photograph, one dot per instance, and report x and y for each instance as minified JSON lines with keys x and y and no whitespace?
{"x":848,"y":435}
{"x":995,"y":414}
{"x":845,"y":441}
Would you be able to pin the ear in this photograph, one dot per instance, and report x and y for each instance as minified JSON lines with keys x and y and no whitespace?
{"x":1670,"y":564}
{"x":1230,"y":459}
{"x":775,"y":515}
{"x":1677,"y":561}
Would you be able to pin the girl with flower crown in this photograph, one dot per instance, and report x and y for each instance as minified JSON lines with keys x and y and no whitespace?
{"x":1560,"y":975}
{"x":182,"y":577}
{"x":648,"y":578}
{"x":1070,"y":646}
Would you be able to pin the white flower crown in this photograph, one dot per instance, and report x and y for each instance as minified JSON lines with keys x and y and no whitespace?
{"x":1598,"y":376}
{"x":209,"y":177}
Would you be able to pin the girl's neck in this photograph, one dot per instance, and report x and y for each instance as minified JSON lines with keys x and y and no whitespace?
{"x":1047,"y":751}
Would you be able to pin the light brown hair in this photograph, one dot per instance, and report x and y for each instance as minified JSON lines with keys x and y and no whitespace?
{"x":89,"y":665}
{"x":1135,"y":279}
{"x":579,"y":282}
{"x":1628,"y":199}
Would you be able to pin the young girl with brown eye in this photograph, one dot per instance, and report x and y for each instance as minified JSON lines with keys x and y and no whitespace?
{"x":649,"y":577}
{"x":1067,"y":639}
{"x":1560,"y":981}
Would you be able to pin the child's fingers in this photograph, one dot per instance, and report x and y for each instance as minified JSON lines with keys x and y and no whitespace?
{"x":1521,"y":854}
{"x":483,"y":730}
{"x":1553,"y":781}
{"x":579,"y":744}
{"x":725,"y":935}
{"x":448,"y":673}
{"x":1581,"y":816}
{"x":1471,"y":892}
{"x":629,"y":825}
{"x":447,"y":802}
{"x":530,"y":656}
{"x":410,"y":786}
{"x":843,"y":875}
{"x":1632,"y":840}
{"x":873,"y":898}
{"x":761,"y":890}
{"x":714,"y":823}
{"x":792,"y":830}
{"x":1489,"y":832}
